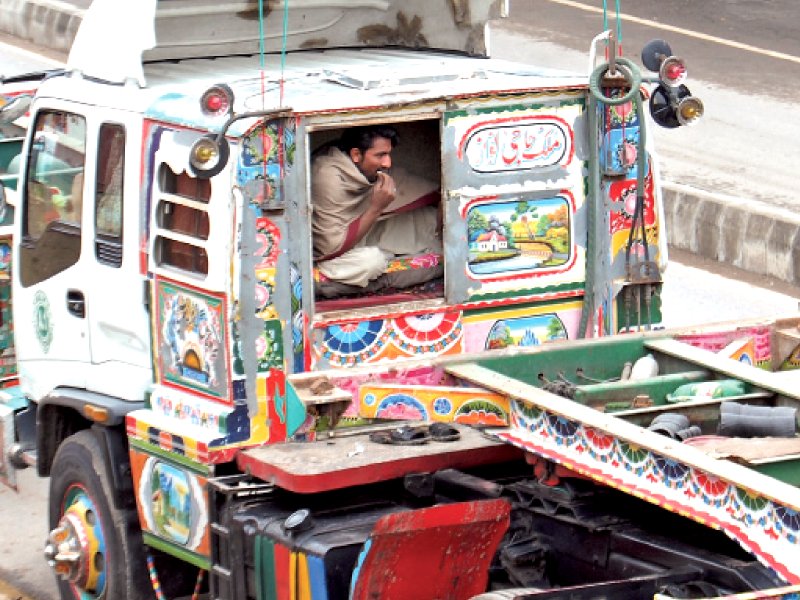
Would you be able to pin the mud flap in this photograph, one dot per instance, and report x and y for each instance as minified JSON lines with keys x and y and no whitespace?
{"x":438,"y":552}
{"x":11,"y":400}
{"x":8,"y":474}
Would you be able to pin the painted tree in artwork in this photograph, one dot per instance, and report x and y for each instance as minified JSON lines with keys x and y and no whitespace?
{"x":527,"y":214}
{"x":560,"y":217}
{"x":528,"y":223}
{"x":477,"y":223}
{"x":555,"y":329}
{"x":543,"y":225}
{"x":500,"y":336}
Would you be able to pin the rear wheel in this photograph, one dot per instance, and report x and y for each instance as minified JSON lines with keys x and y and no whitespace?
{"x":95,"y":548}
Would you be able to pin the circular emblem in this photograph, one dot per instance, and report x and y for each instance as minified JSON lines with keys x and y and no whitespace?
{"x":42,"y":320}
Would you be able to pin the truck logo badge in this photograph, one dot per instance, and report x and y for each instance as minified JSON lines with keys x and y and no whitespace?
{"x":42,"y":320}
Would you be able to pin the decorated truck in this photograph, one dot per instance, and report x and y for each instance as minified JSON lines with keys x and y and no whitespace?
{"x":216,"y":420}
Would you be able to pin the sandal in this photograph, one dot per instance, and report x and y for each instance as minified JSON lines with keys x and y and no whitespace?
{"x":402,"y":436}
{"x":443,"y":432}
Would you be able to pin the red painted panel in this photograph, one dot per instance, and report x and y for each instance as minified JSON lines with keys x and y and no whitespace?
{"x":441,"y":552}
{"x":331,"y":464}
{"x":283,"y":574}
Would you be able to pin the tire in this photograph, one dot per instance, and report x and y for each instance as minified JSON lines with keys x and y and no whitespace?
{"x":80,"y":484}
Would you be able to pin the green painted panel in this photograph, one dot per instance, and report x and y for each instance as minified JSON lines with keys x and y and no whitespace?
{"x":9,"y":148}
{"x":600,"y":359}
{"x":576,"y":99}
{"x":190,"y":557}
{"x":599,"y":394}
{"x":517,"y":294}
{"x":648,"y":313}
{"x":265,"y":568}
{"x":787,"y":471}
{"x":172,"y":457}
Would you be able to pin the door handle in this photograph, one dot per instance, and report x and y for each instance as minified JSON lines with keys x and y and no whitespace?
{"x":76,"y":304}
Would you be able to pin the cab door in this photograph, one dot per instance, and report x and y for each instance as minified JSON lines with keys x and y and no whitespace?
{"x":79,"y":314}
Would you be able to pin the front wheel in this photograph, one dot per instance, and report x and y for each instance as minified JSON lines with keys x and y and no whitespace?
{"x":95,"y":548}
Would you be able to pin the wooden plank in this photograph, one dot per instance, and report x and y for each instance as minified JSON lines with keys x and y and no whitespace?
{"x":748,"y":449}
{"x":740,"y":475}
{"x":335,"y":463}
{"x":781,"y":383}
{"x":786,"y":341}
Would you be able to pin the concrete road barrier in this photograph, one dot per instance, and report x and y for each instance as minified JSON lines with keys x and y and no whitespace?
{"x":751,"y":235}
{"x":48,"y":23}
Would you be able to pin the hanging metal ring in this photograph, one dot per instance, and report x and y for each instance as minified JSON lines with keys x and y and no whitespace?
{"x":630,"y":71}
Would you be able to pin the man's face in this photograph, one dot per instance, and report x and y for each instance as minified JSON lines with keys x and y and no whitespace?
{"x":377,"y":158}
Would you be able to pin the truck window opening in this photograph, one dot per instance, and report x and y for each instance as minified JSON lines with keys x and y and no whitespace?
{"x":109,"y":194}
{"x":398,"y":256}
{"x":54,"y":187}
{"x":182,"y":213}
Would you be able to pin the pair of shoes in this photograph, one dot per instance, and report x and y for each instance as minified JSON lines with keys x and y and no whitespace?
{"x":442,"y":432}
{"x":415,"y":436}
{"x":402,"y":436}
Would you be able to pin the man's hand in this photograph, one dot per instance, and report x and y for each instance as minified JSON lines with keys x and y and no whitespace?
{"x":383,"y":192}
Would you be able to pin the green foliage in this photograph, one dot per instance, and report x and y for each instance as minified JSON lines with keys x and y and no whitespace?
{"x":476,"y":223}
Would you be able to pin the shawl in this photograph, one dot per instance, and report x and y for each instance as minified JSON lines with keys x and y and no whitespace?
{"x":340,"y":194}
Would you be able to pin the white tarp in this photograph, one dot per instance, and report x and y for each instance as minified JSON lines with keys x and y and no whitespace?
{"x":111,"y":39}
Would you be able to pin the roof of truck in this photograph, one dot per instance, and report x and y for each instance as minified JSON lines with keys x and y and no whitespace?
{"x":311,"y":82}
{"x":319,"y":56}
{"x":177,"y":29}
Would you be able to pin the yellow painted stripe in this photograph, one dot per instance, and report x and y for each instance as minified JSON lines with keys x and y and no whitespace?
{"x":293,"y":576}
{"x":303,"y":580}
{"x":527,"y":311}
{"x":687,"y":32}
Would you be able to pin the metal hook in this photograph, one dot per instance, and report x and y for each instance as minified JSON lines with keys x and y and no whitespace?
{"x":612,"y":54}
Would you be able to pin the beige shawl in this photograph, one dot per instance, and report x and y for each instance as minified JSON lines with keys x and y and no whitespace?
{"x":340,"y":195}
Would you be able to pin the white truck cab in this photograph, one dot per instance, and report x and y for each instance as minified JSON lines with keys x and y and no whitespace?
{"x":163,"y":246}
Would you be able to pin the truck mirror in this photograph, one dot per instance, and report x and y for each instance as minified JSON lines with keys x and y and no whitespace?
{"x":13,"y":110}
{"x":654,"y":53}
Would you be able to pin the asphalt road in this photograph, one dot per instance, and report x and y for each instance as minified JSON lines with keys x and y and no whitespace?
{"x":743,"y":59}
{"x":23,"y":521}
{"x":752,"y":46}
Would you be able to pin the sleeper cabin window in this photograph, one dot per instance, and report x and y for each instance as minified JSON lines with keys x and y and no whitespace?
{"x":183,"y":222}
{"x":400,"y":258}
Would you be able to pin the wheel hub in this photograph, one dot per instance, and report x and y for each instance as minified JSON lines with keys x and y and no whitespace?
{"x":75,"y":549}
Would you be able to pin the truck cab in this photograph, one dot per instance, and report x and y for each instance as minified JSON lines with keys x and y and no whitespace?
{"x":117,"y":220}
{"x":164,"y":273}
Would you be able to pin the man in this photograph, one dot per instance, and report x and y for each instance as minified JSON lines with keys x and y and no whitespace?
{"x":363,"y":216}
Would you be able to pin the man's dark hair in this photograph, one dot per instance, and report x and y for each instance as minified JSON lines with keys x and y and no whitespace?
{"x":364,"y":137}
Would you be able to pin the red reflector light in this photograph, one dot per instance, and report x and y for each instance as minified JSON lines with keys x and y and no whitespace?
{"x":217,"y":100}
{"x":674,"y":71}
